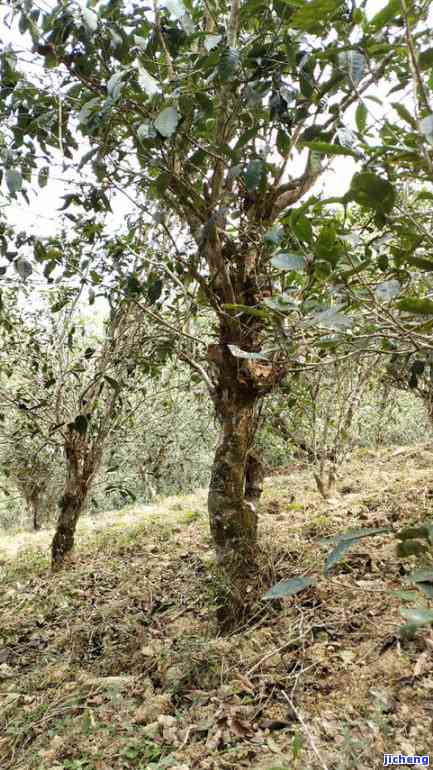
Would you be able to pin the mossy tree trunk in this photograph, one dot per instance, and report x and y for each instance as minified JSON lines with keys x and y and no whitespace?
{"x":62,"y":546}
{"x":233,"y":520}
{"x":83,"y":461}
{"x":34,"y":503}
{"x":237,"y":477}
{"x":254,"y":475}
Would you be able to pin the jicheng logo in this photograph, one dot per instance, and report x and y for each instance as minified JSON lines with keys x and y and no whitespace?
{"x":402,"y":759}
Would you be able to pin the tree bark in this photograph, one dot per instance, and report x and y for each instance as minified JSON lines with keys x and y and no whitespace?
{"x":254,"y":475}
{"x":32,"y":493}
{"x":326,"y":486}
{"x":82,"y":464}
{"x":237,"y":480}
{"x":62,"y":546}
{"x":34,"y":506}
{"x":233,"y":519}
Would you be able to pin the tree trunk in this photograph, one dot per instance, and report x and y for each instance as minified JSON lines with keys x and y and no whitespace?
{"x":62,"y":546}
{"x":254,"y":475}
{"x":326,"y":482}
{"x":32,"y":496}
{"x":82,"y":464}
{"x":237,"y":480}
{"x":233,"y":520}
{"x":34,"y":505}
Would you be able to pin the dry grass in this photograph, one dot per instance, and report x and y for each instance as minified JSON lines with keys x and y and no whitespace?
{"x":15,"y":545}
{"x":115,"y":663}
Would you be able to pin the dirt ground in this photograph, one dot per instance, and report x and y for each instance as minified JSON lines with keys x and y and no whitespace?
{"x":116,"y":663}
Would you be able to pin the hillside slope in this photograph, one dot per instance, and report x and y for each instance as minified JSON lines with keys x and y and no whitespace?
{"x":115,"y":663}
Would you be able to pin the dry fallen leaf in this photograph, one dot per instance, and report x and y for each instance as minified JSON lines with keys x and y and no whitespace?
{"x":422,"y":663}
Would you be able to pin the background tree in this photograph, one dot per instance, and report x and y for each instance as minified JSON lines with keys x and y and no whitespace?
{"x":69,"y":391}
{"x":32,"y":469}
{"x":413,"y":373}
{"x":202,"y":114}
{"x":165,"y":444}
{"x":319,"y":416}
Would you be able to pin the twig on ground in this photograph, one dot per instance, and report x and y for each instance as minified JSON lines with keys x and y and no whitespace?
{"x":305,"y":729}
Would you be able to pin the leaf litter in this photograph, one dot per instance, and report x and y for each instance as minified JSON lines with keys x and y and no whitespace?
{"x":116,"y":663}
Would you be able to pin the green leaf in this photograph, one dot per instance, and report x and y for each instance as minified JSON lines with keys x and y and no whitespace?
{"x":356,"y":534}
{"x":374,"y":99}
{"x":417,"y":616}
{"x":116,"y":40}
{"x":176,"y":8}
{"x":133,"y":285}
{"x":88,"y":156}
{"x":280,"y":304}
{"x":154,"y":289}
{"x":43,"y":176}
{"x":361,"y":117}
{"x":286,"y":261}
{"x":166,"y":122}
{"x":301,"y":226}
{"x":416,"y":305}
{"x":255,"y":174}
{"x":328,"y":341}
{"x":426,"y":588}
{"x":89,"y":109}
{"x":245,"y":138}
{"x":58,"y":305}
{"x":370,"y":190}
{"x":229,"y":63}
{"x":407,"y":631}
{"x":423,"y":264}
{"x":80,"y":424}
{"x":345,"y":541}
{"x":426,"y":126}
{"x":112,"y":383}
{"x":330,"y":318}
{"x":49,"y":267}
{"x":23,"y":268}
{"x":274,"y":234}
{"x":114,"y":84}
{"x":312,"y":16}
{"x":284,"y":142}
{"x":409,"y":533}
{"x":410,"y":548}
{"x":326,"y":148}
{"x":425,"y":59}
{"x":406,"y":596}
{"x":146,"y":131}
{"x":353,"y":64}
{"x":289,"y":587}
{"x":147,"y":83}
{"x":90,"y":19}
{"x":337,"y":554}
{"x":405,"y":115}
{"x":234,"y":171}
{"x":389,"y":13}
{"x":211,"y":41}
{"x":14,"y":180}
{"x":422,"y":576}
